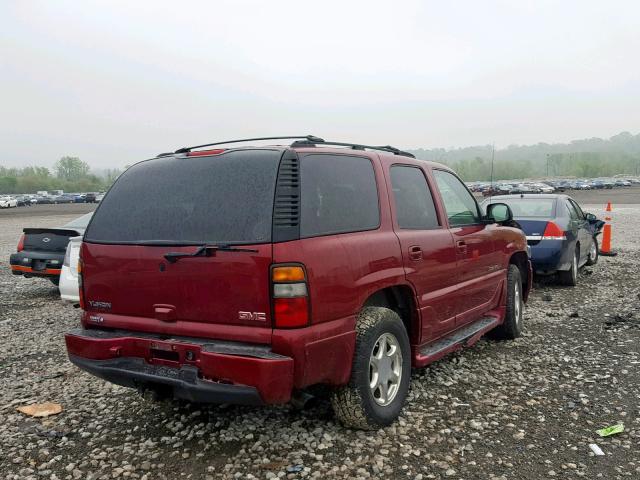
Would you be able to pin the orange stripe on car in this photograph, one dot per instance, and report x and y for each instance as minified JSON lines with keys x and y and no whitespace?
{"x":46,"y":271}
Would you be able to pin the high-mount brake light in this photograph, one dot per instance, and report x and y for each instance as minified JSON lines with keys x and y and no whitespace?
{"x":204,"y":153}
{"x":290,"y":296}
{"x":21,"y":243}
{"x":553,"y":232}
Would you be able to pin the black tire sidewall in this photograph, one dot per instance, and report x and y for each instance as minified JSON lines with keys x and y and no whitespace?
{"x":377,"y":414}
{"x":593,"y":261}
{"x":511,"y":323}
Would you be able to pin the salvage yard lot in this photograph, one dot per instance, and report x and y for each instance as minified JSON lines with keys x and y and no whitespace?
{"x":523,"y":409}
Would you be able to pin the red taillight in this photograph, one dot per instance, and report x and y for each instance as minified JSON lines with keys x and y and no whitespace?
{"x":21,"y":243}
{"x":553,"y":232}
{"x":80,"y":288}
{"x":290,"y":296}
{"x":291,"y":312}
{"x":204,"y":153}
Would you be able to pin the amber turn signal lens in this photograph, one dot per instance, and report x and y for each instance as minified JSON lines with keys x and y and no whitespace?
{"x":288,"y":274}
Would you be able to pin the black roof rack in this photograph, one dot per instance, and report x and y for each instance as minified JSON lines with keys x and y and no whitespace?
{"x":354,"y":146}
{"x":290,"y":137}
{"x":302,"y":141}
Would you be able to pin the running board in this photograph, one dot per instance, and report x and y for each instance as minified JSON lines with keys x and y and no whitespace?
{"x":467,"y":335}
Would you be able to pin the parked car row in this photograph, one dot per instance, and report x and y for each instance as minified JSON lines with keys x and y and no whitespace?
{"x":269,"y":270}
{"x":8,"y":201}
{"x":547,"y":186}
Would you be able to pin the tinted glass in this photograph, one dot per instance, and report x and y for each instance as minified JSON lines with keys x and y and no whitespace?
{"x":414,"y":205}
{"x":529,"y":207}
{"x":577,"y":208}
{"x":339,"y":194}
{"x":573,"y":213}
{"x":219,"y":199}
{"x":461,"y":207}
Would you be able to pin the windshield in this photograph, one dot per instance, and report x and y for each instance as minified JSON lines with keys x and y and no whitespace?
{"x":225,"y":198}
{"x":529,"y":207}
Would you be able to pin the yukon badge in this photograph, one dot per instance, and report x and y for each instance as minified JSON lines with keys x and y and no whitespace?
{"x":99,"y":305}
{"x":255,"y":316}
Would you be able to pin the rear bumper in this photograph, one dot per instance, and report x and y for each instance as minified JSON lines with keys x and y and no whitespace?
{"x":183,"y":382}
{"x":193,"y":369}
{"x":32,"y":264}
{"x":550,"y":256}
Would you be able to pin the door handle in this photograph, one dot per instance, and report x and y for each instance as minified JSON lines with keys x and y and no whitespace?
{"x":461,"y":245}
{"x":415,"y":253}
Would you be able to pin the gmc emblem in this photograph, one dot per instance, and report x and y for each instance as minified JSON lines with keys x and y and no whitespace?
{"x":255,"y":316}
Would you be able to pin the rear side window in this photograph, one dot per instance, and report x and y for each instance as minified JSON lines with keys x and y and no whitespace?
{"x":339,"y":195}
{"x":414,"y":204}
{"x":226,"y":198}
{"x":461,"y":207}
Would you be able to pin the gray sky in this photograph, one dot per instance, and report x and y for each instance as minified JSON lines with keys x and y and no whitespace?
{"x":115,"y":82}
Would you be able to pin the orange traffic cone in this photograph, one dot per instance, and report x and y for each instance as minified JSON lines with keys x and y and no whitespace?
{"x":605,"y":248}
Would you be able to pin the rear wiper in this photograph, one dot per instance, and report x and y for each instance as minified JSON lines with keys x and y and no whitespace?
{"x":205,"y":251}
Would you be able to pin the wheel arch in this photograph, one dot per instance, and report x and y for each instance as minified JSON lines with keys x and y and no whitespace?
{"x":521,"y":260}
{"x":401,"y":299}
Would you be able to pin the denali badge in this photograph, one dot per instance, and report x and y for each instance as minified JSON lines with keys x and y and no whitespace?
{"x":100,"y":305}
{"x":256,"y":316}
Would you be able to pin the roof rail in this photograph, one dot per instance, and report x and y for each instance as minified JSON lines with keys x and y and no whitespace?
{"x":305,"y":140}
{"x":354,"y":146}
{"x":309,"y":138}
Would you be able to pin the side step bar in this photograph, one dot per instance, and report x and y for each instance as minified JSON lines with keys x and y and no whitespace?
{"x":465,"y":336}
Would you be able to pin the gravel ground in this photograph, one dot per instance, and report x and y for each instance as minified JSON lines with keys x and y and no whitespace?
{"x":500,"y":410}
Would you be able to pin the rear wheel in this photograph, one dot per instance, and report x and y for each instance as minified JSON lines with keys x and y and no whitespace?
{"x":512,"y":326}
{"x":380,"y":373}
{"x":592,"y":259}
{"x":570,"y":277}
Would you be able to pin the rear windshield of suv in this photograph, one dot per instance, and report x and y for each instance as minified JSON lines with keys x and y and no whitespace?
{"x":226,"y":198}
{"x":529,"y":207}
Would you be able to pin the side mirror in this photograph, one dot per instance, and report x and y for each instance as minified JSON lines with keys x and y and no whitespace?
{"x":499,"y":213}
{"x":590,"y":217}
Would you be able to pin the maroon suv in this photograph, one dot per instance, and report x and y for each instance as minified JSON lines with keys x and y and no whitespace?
{"x":246,"y":275}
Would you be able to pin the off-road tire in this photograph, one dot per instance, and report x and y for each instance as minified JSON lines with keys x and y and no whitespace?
{"x":570,"y":277}
{"x":354,"y":404}
{"x":512,"y":326}
{"x":592,"y":259}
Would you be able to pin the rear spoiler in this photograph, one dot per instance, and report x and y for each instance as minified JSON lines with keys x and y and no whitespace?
{"x":59,"y":231}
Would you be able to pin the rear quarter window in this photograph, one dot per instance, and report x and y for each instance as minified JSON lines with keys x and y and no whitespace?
{"x":339,"y":194}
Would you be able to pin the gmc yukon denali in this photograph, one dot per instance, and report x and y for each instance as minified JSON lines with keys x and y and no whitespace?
{"x":249,"y":274}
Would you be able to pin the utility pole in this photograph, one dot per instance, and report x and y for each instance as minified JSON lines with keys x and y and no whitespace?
{"x":547,"y":165}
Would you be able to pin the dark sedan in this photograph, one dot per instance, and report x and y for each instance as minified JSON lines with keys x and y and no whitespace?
{"x":41,"y":250}
{"x":561,"y":236}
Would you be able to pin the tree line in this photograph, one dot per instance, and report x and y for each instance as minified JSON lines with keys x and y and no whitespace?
{"x":587,"y":158}
{"x":70,"y":174}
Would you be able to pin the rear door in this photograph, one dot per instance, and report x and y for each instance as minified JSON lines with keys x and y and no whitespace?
{"x":428,"y":253}
{"x":170,"y":206}
{"x":580,"y":226}
{"x":479,"y":263}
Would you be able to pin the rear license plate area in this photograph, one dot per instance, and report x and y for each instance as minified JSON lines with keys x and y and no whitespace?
{"x":165,"y":355}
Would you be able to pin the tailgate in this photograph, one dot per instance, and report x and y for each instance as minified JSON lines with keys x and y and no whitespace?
{"x":229,"y":288}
